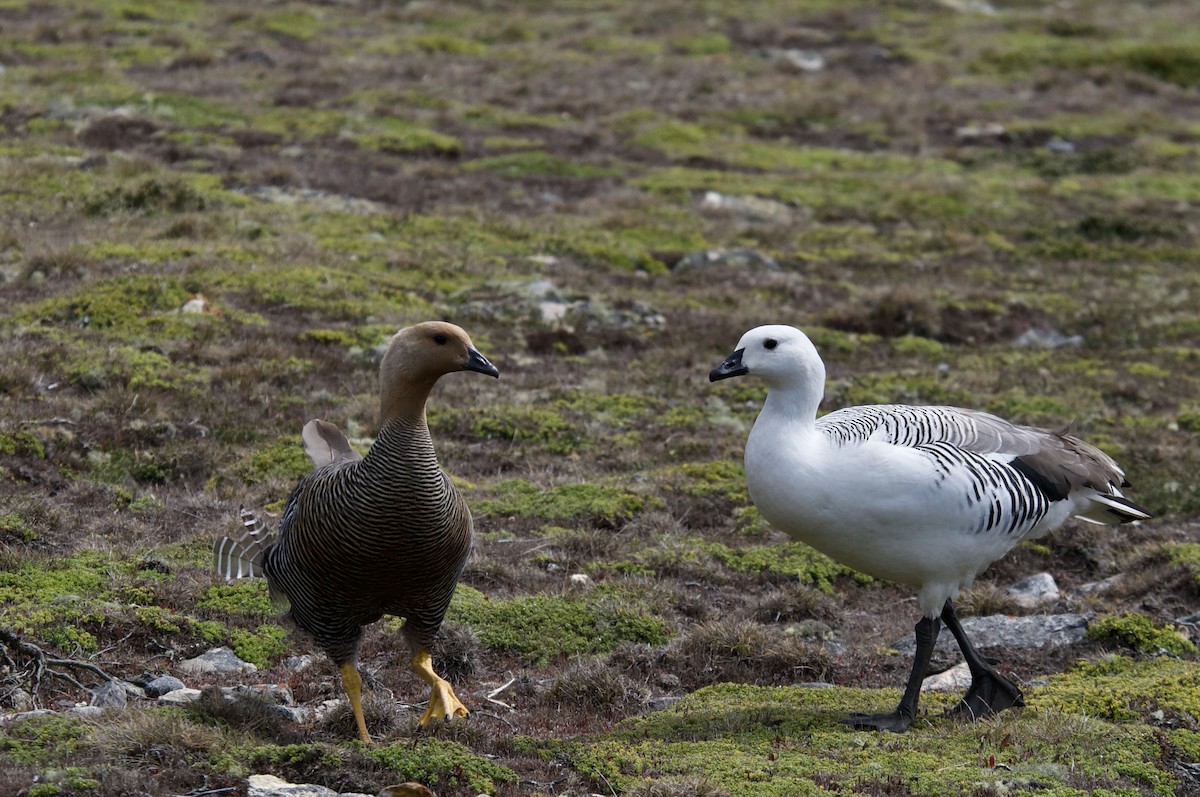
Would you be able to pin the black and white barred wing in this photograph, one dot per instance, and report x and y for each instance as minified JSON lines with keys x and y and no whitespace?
{"x":1057,"y":464}
{"x":242,"y":556}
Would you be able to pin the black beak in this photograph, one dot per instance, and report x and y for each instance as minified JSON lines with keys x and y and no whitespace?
{"x":731,"y":367}
{"x":477,"y":362}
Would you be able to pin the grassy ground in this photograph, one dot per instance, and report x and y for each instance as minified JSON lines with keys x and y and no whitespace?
{"x":323,"y":173}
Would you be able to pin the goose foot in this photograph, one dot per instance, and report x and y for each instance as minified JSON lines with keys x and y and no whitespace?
{"x":896,"y":721}
{"x":990,"y":693}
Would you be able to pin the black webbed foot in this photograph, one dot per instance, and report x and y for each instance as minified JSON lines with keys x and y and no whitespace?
{"x":990,"y":693}
{"x":896,"y":721}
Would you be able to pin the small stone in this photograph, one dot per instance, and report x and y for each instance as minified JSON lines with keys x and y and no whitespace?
{"x":801,"y":60}
{"x":1042,"y":338}
{"x":110,"y":694}
{"x":162,"y":684}
{"x":972,"y":132}
{"x":271,"y":786}
{"x":1060,"y":146}
{"x":1034,"y":591}
{"x":179,"y":697}
{"x":87,"y":712}
{"x":299,"y":663}
{"x":280,"y":694}
{"x":21,"y":716}
{"x":752,"y":208}
{"x":20,"y":700}
{"x":298,"y":715}
{"x":222,"y":661}
{"x":740,"y":258}
{"x":955,"y":679}
{"x":1002,"y":631}
{"x":1097,"y":587}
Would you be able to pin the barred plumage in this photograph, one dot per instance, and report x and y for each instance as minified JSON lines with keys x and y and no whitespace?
{"x":928,"y":496}
{"x":387,"y":533}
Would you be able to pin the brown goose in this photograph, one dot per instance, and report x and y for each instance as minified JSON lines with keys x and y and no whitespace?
{"x":927,"y":496}
{"x":387,"y":533}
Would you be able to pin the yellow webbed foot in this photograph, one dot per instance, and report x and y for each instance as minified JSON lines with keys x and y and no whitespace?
{"x":443,"y":703}
{"x":352,"y":683}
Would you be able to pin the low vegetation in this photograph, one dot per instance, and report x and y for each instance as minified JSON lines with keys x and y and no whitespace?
{"x":216,"y":212}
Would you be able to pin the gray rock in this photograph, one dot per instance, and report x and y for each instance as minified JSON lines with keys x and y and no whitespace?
{"x":271,"y":786}
{"x":1040,"y":338}
{"x":221,"y":661}
{"x":20,"y":700}
{"x":86,"y":712}
{"x":21,"y":716}
{"x":299,"y":663}
{"x":752,"y":208}
{"x":1002,"y":631}
{"x":800,"y":60}
{"x":741,"y":258}
{"x":1097,"y":587}
{"x":179,"y":697}
{"x":159,"y":686}
{"x":110,"y":694}
{"x":1034,"y":591}
{"x":279,"y":694}
{"x":295,"y":714}
{"x":542,"y":303}
{"x":955,"y":679}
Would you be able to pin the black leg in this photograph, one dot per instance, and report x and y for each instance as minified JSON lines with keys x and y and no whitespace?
{"x":990,"y":691}
{"x":898,"y":721}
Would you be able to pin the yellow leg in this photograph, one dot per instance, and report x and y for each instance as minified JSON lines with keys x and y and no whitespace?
{"x":352,"y":683}
{"x":442,"y":701}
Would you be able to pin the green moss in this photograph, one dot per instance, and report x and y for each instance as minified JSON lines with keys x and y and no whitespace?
{"x":261,"y":647}
{"x":1120,"y":689}
{"x":43,"y":740}
{"x":133,"y":304}
{"x":795,"y":560}
{"x":132,"y":367}
{"x":160,"y":620}
{"x":22,"y":444}
{"x":1189,"y":420}
{"x":609,"y":506}
{"x":1140,"y":633}
{"x":722,"y":477}
{"x":523,"y":425}
{"x":245,"y":598}
{"x":918,"y":346}
{"x":13,"y":526}
{"x":788,"y":741}
{"x":442,"y":765}
{"x":544,"y":627}
{"x":350,"y":295}
{"x":703,"y":44}
{"x":151,"y":195}
{"x":404,"y":138}
{"x":284,"y":459}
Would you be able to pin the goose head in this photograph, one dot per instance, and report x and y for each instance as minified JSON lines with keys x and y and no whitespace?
{"x":418,"y":356}
{"x":782,"y":356}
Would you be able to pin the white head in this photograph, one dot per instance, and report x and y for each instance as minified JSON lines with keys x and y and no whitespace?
{"x":782,"y":356}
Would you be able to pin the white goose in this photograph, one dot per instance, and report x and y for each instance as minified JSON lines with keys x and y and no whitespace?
{"x":927,"y":496}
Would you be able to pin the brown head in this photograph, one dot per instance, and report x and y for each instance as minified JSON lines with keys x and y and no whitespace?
{"x":416,"y":358}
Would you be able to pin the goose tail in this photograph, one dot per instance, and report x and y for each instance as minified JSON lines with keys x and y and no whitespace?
{"x":242,"y":557}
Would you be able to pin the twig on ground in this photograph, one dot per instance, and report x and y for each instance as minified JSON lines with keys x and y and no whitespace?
{"x":43,"y":664}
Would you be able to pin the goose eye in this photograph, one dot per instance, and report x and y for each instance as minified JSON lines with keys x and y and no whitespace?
{"x":439,"y":339}
{"x":770,"y":343}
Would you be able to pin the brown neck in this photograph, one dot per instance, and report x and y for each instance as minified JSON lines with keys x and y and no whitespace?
{"x":405,"y":403}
